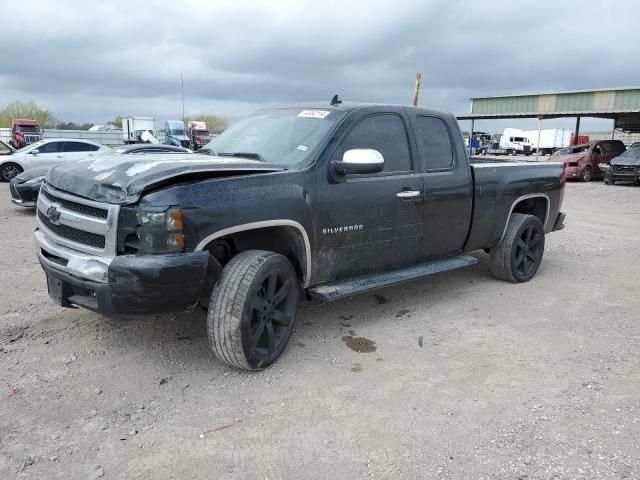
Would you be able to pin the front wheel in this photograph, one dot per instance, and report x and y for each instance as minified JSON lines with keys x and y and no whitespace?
{"x":9,"y":170}
{"x":518,"y":256}
{"x":608,"y":181}
{"x":253,"y":309}
{"x":587,"y":174}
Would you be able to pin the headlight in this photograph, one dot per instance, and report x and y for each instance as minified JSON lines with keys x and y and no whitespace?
{"x":604,"y":166}
{"x":34,"y":180}
{"x":160,"y":231}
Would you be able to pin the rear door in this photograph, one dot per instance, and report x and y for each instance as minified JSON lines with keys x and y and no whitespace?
{"x":447,"y":187}
{"x":370,"y":223}
{"x":77,"y":150}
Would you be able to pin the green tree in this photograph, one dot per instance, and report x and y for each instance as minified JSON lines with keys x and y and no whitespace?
{"x":116,"y":122}
{"x":28,"y":110}
{"x":214,"y":123}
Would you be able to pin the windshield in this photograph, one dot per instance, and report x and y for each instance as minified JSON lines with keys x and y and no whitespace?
{"x":281,"y":136}
{"x":562,"y":151}
{"x":27,"y":129}
{"x":520,"y":139}
{"x":31,"y":146}
{"x":177,"y":132}
{"x":202,"y":133}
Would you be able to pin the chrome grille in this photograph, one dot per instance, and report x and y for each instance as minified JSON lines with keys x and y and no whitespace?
{"x":78,"y":223}
{"x":86,"y":238}
{"x":78,"y":207}
{"x":624,"y":168}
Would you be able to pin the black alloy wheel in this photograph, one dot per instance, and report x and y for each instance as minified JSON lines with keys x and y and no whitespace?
{"x":519,"y":254}
{"x":252,"y":309}
{"x":528,"y":251}
{"x":269,"y":321}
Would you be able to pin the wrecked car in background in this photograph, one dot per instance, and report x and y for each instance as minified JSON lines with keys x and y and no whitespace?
{"x":582,"y":162}
{"x":625,"y":168}
{"x":326,"y":199}
{"x":25,"y":186}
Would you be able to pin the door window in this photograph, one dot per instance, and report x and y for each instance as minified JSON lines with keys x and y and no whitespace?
{"x":384,"y":133}
{"x":50,"y":147}
{"x":79,"y":147}
{"x":434,"y":143}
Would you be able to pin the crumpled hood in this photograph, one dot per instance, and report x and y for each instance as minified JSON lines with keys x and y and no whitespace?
{"x":628,"y":160}
{"x":121,"y":179}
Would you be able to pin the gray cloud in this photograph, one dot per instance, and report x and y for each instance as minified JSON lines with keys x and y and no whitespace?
{"x":89,"y":61}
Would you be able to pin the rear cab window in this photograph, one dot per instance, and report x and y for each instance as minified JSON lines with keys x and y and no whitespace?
{"x":434,"y":143}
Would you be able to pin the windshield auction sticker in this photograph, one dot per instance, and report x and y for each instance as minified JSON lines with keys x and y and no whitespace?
{"x":314,"y":113}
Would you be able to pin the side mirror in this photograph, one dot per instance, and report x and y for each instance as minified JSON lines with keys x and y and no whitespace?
{"x":359,"y":161}
{"x":34,"y":152}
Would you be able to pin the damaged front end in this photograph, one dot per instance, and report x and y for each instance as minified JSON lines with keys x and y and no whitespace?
{"x":105,"y":257}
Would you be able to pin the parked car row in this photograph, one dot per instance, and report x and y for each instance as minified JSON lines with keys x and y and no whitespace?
{"x":583,"y":162}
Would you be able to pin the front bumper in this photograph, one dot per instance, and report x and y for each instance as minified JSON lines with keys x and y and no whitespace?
{"x":572,"y":172}
{"x":126,"y":284}
{"x":622,"y":176}
{"x":24,"y":194}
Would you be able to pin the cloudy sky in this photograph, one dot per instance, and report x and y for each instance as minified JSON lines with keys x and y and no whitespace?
{"x":90,"y":61}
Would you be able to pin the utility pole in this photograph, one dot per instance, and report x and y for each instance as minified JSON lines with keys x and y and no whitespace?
{"x":416,"y":89}
{"x":182,"y":89}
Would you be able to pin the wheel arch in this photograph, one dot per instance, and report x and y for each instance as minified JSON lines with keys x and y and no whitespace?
{"x":286,"y":237}
{"x":536,"y":204}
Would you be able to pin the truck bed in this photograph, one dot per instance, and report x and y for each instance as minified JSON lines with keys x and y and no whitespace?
{"x":498,"y":186}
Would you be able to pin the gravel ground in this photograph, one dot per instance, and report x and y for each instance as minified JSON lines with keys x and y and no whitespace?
{"x":465,"y":377}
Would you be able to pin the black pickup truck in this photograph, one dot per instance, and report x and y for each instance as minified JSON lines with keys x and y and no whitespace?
{"x":314,"y":200}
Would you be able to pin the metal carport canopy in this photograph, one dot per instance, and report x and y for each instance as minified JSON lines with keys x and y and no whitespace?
{"x":620,"y":104}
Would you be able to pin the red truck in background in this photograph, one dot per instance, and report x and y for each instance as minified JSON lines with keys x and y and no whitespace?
{"x":582,"y":139}
{"x":25,"y":132}
{"x":198,"y":134}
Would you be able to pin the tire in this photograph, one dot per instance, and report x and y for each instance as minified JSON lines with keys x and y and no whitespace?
{"x":257,"y":293}
{"x":608,"y":181}
{"x":9,"y":170}
{"x":483,"y":151}
{"x":518,"y":256}
{"x":587,"y":174}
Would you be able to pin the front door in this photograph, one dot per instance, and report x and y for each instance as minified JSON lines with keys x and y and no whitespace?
{"x":50,"y":153}
{"x":370,"y":223}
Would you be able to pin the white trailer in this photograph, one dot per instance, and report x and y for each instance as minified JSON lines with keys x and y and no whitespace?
{"x":551,"y":139}
{"x":515,"y":142}
{"x":134,"y":127}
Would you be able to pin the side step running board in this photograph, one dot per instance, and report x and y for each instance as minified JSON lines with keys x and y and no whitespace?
{"x":345,"y":288}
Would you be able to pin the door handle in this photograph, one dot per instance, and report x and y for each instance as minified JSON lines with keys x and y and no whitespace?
{"x":408,"y":194}
{"x":59,"y":156}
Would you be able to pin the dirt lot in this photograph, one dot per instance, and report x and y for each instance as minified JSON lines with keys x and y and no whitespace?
{"x":540,"y":380}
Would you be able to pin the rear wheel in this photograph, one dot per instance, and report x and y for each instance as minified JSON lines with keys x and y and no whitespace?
{"x":518,"y":255}
{"x":252,"y":309}
{"x":587,"y":174}
{"x":9,"y":170}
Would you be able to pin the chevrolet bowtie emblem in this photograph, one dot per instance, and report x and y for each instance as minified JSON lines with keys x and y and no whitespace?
{"x":53,"y":214}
